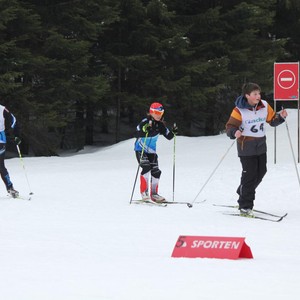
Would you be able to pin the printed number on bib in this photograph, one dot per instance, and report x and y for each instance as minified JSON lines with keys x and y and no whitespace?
{"x":254,"y":128}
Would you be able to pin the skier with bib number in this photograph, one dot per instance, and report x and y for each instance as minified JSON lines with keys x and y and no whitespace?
{"x":147,"y":133}
{"x":247,"y":124}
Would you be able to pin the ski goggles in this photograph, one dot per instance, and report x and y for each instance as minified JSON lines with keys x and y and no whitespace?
{"x":157,"y":111}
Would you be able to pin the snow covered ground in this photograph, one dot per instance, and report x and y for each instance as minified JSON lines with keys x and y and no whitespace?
{"x":79,"y":238}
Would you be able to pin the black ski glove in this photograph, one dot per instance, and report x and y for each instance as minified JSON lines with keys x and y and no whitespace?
{"x":175,"y":129}
{"x":17,"y":140}
{"x":146,"y":128}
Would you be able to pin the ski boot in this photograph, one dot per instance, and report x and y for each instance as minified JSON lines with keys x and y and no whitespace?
{"x":12,"y":192}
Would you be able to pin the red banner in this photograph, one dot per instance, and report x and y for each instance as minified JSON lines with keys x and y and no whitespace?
{"x":211,"y":247}
{"x":286,"y":81}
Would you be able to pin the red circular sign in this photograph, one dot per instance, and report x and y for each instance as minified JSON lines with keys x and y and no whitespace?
{"x":286,"y":79}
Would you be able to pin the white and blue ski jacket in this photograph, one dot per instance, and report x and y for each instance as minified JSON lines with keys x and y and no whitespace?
{"x":156,"y":128}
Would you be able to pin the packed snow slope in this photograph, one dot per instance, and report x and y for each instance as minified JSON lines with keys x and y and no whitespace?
{"x":80,"y":239}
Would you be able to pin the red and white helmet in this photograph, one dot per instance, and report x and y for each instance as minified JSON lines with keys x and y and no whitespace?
{"x":156,"y":109}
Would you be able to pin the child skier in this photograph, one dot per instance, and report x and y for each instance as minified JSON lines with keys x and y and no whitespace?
{"x":6,"y":116}
{"x":247,"y":123}
{"x":147,"y":133}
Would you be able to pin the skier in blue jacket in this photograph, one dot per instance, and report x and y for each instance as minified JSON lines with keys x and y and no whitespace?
{"x":147,"y":133}
{"x":6,"y":116}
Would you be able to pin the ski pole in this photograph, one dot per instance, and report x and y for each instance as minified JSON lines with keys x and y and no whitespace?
{"x":289,"y":136}
{"x":23,"y":165}
{"x":134,"y":184}
{"x":213,"y":171}
{"x":138,"y":168}
{"x":174,"y":148}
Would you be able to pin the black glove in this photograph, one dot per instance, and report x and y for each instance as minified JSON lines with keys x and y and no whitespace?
{"x":17,"y":140}
{"x":146,"y":128}
{"x":175,"y":129}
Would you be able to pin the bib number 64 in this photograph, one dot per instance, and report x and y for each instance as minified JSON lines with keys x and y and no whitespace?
{"x":256,"y":128}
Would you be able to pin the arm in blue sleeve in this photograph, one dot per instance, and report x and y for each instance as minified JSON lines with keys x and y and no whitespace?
{"x":8,"y":116}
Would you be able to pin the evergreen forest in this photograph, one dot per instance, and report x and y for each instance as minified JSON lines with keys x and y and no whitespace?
{"x":84,"y":72}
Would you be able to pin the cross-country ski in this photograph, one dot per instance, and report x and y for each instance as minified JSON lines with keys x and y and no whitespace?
{"x":254,"y":216}
{"x":254,"y":210}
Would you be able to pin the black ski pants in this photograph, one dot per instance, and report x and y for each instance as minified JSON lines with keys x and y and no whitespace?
{"x":3,"y":170}
{"x":149,"y":162}
{"x":254,"y":169}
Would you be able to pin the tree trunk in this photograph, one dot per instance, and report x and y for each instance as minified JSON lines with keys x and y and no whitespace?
{"x":89,"y":129}
{"x":79,"y":127}
{"x":118,"y":107}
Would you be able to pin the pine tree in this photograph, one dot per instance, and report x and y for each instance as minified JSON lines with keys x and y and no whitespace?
{"x":231,"y":44}
{"x":71,"y":87}
{"x":20,"y":29}
{"x":206,"y":66}
{"x":287,"y":26}
{"x":73,"y":70}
